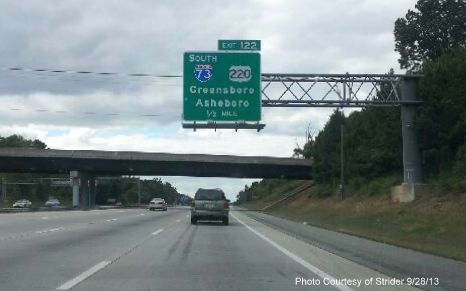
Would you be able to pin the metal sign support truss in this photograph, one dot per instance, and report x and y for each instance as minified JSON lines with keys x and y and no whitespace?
{"x":333,"y":90}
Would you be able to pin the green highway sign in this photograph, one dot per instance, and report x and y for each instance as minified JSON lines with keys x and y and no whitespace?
{"x":221,"y":86}
{"x":239,"y":45}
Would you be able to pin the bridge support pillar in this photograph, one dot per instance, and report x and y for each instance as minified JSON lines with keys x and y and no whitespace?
{"x":412,"y":171}
{"x":74,"y":177}
{"x":83,"y":189}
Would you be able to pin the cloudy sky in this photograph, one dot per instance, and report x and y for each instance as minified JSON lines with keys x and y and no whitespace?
{"x":70,"y":111}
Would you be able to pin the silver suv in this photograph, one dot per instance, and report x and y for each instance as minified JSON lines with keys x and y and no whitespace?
{"x":210,"y":204}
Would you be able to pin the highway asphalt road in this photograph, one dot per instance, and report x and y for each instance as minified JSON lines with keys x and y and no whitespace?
{"x":135,"y":249}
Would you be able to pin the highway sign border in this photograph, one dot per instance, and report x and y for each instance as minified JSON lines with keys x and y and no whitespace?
{"x":189,"y":115}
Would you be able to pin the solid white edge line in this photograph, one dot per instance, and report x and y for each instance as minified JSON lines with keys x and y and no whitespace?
{"x":157,"y":232}
{"x":83,"y":276}
{"x":292,"y":256}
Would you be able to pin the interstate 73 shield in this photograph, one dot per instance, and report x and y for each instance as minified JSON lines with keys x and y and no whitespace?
{"x":203,"y":73}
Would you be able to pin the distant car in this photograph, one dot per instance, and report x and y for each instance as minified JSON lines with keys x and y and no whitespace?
{"x":157,"y":203}
{"x":22,"y":203}
{"x":210,"y":204}
{"x":52,"y":202}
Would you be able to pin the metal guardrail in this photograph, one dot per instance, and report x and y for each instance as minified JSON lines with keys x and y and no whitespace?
{"x":334,"y":90}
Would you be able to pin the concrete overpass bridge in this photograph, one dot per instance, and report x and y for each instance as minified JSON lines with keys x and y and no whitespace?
{"x":83,"y":166}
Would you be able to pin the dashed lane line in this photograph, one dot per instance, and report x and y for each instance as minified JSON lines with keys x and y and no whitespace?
{"x":83,"y":276}
{"x":49,"y":230}
{"x":91,"y":271}
{"x":157,"y":232}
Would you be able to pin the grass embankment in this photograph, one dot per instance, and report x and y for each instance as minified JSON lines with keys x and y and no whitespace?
{"x":433,"y":223}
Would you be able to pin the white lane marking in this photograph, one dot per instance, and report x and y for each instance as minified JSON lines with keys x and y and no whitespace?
{"x":55,"y":229}
{"x":142,"y":214}
{"x":113,"y":219}
{"x":86,"y":274}
{"x":178,"y":220}
{"x":44,"y":217}
{"x":121,"y":211}
{"x":49,"y":230}
{"x":292,"y":256}
{"x":157,"y":232}
{"x":83,"y":276}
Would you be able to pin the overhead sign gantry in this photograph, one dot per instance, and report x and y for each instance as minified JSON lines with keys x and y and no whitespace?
{"x":223,"y":89}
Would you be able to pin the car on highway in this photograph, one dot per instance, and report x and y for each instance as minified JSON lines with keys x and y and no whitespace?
{"x":52,"y":202}
{"x":22,"y":203}
{"x":210,"y":204}
{"x":157,"y":203}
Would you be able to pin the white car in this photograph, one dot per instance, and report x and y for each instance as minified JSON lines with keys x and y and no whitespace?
{"x":158,"y":203}
{"x":22,"y":203}
{"x":53,"y":202}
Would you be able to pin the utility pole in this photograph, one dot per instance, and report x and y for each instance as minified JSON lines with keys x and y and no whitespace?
{"x":342,"y":162}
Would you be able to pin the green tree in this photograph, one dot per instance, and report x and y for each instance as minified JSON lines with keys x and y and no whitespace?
{"x":125,"y":190}
{"x":441,"y":120}
{"x":19,"y":141}
{"x":326,"y":150}
{"x":373,"y":142}
{"x":430,"y":30}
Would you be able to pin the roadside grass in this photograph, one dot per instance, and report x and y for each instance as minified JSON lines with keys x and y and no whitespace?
{"x":433,"y":223}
